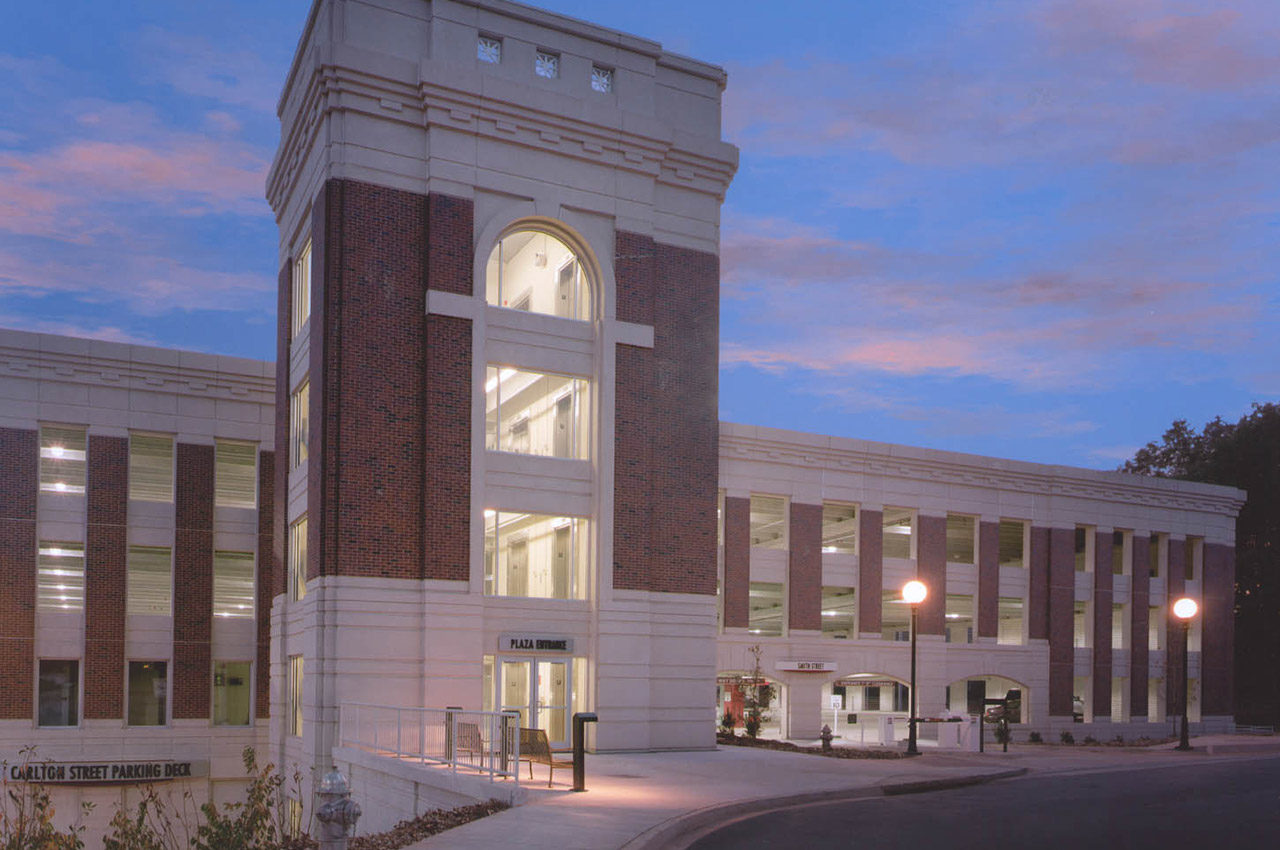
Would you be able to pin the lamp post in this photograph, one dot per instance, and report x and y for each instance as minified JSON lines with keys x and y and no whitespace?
{"x":1185,"y":609}
{"x":913,"y":593}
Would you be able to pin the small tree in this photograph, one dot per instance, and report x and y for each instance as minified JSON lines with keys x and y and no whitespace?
{"x":26,"y":814}
{"x":757,"y":695}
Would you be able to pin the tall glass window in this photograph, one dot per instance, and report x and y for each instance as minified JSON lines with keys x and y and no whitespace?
{"x":232,"y":692}
{"x":839,"y":612}
{"x":1120,"y":552}
{"x":298,"y":559}
{"x":235,"y":474}
{"x":764,"y":616}
{"x":148,"y":693}
{"x":1156,"y":555}
{"x":768,"y":522}
{"x":1012,"y":543}
{"x":960,"y":538}
{"x":536,"y":413}
{"x":899,"y":523}
{"x":301,"y":289}
{"x":533,"y":271}
{"x":233,"y":589}
{"x":60,"y":577}
{"x":149,"y":584}
{"x":840,"y":528}
{"x":535,"y":555}
{"x":59,"y":699}
{"x":299,"y":419}
{"x":150,"y":468}
{"x":62,"y":459}
{"x":1194,"y":551}
{"x":1084,"y":548}
{"x":295,"y":695}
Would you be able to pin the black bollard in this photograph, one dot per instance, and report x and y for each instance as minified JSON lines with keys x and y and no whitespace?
{"x":580,"y":720}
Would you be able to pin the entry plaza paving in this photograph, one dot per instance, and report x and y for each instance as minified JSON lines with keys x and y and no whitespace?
{"x":666,"y":800}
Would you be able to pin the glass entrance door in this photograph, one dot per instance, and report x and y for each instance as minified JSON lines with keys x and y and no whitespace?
{"x":539,"y":691}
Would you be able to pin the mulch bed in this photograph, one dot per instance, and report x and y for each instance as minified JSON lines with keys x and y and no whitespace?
{"x":408,"y":831}
{"x":833,"y":753}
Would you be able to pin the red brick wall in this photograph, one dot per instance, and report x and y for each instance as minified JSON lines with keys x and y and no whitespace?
{"x":19,"y":480}
{"x":1139,"y":655}
{"x":804,"y":567}
{"x":737,"y":562}
{"x":1218,"y":631}
{"x":193,"y":582}
{"x":268,"y":577}
{"x":273,"y":558}
{"x":931,"y":568}
{"x":1174,"y":687}
{"x":1038,"y":585}
{"x":447,"y":456}
{"x":450,"y":244}
{"x":1061,"y":602}
{"x":870,"y":570}
{"x":106,"y":548}
{"x":674,"y":440}
{"x":988,"y":579}
{"x":1102,"y":596}
{"x":634,"y":272}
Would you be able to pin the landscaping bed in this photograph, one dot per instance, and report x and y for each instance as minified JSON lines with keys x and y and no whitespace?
{"x":784,"y":746}
{"x":428,"y":824}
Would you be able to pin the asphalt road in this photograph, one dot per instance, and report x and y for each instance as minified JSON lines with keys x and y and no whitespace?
{"x":1209,"y":806}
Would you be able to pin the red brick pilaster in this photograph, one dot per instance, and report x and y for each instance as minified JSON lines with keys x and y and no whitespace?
{"x":1038,"y":585}
{"x":271,"y":560}
{"x":804,"y":567}
{"x":105,"y":553}
{"x":1217,"y":631}
{"x":870,"y":570}
{"x":737,"y":562}
{"x":1140,"y":599}
{"x":1061,"y":603}
{"x":447,"y":455}
{"x":678,"y":432}
{"x":450,"y":244}
{"x":632,"y":486}
{"x":988,"y":579}
{"x":19,"y":482}
{"x":1174,"y":686}
{"x":267,"y":579}
{"x":193,"y":582}
{"x":1102,"y":596}
{"x":931,"y":568}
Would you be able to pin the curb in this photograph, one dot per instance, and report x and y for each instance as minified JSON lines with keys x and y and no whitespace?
{"x":679,"y":832}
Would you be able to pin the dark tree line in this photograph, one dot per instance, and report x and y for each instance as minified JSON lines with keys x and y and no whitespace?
{"x":1245,"y":454}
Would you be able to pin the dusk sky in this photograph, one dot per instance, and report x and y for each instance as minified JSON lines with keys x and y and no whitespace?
{"x":1036,"y":229}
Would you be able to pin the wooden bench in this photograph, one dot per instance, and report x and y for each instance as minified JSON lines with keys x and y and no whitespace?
{"x":534,"y":746}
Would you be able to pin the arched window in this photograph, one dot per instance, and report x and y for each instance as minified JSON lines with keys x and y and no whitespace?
{"x":532,"y":270}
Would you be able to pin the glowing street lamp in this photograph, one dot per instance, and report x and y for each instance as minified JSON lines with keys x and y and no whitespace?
{"x":1185,"y":610}
{"x":913,"y":593}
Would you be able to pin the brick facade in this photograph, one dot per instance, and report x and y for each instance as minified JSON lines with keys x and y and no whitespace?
{"x":870,"y":570}
{"x":1174,"y":686}
{"x":193,"y":582}
{"x":270,"y":580}
{"x":667,"y":428}
{"x":804,"y":567}
{"x":1061,"y":620}
{"x":1038,"y":584}
{"x":272,"y":560}
{"x":1102,"y":597}
{"x":1139,"y":653}
{"x":737,"y":562}
{"x":19,"y":483}
{"x":106,"y":550}
{"x":988,"y":613}
{"x":931,"y":568}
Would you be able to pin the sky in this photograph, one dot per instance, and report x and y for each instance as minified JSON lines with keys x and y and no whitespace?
{"x":1036,"y":229}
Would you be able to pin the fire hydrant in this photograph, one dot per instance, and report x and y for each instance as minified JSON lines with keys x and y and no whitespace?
{"x":337,"y":813}
{"x":826,"y":736}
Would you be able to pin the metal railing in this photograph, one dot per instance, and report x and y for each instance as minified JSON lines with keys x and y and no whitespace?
{"x":483,"y":742}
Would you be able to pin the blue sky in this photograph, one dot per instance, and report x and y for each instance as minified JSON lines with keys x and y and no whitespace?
{"x":1039,"y":229}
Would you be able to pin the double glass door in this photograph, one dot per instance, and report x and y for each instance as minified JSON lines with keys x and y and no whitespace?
{"x":539,"y":690}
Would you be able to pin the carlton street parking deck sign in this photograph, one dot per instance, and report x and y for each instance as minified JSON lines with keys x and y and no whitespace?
{"x":106,"y":772}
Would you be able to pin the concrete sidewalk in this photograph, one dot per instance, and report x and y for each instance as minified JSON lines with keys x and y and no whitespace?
{"x":661,"y":800}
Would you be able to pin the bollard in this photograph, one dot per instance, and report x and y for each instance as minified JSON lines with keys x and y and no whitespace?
{"x":580,"y":720}
{"x":337,"y":813}
{"x":825,"y":735}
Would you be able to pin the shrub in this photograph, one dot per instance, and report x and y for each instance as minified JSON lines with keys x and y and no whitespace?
{"x":1034,"y":738}
{"x":726,"y":723}
{"x":1089,"y":740}
{"x":1067,"y":738}
{"x":26,"y":815}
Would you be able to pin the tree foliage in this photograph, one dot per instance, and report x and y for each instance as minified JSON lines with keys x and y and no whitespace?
{"x":1244,"y":454}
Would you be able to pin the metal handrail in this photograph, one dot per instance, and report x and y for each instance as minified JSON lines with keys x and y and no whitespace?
{"x":453,"y":737}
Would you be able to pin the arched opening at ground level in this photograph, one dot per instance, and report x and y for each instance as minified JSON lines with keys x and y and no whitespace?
{"x":866,"y":708}
{"x":968,"y":697}
{"x":739,"y":695}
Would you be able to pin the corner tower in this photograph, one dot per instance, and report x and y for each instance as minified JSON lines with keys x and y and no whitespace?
{"x":498,"y":335}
